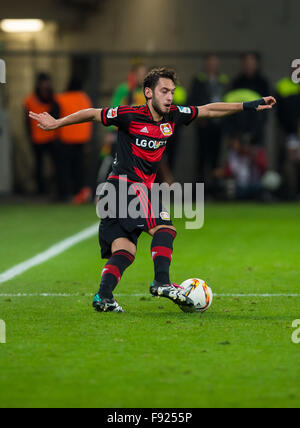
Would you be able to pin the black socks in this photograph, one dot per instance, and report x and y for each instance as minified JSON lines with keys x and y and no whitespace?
{"x":113,"y":271}
{"x":162,"y":250}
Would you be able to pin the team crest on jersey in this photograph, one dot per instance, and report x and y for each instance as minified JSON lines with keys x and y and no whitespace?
{"x":112,"y":113}
{"x":166,"y":129}
{"x":186,"y":110}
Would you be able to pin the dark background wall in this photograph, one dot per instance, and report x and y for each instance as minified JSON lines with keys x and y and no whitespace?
{"x":182,"y":27}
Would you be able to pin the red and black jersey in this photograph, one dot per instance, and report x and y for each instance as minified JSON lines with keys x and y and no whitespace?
{"x":142,"y":141}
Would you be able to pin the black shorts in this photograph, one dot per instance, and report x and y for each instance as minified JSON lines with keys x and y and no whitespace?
{"x":119,"y":221}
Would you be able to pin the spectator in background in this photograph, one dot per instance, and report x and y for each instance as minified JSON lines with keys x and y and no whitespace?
{"x":129,"y":93}
{"x":244,"y":169}
{"x":73,"y":140}
{"x":288,"y":114}
{"x":43,"y":143}
{"x":209,"y":86}
{"x":250,"y":84}
{"x":250,"y":76}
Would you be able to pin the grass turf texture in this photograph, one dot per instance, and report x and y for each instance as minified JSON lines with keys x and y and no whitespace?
{"x":60,"y":352}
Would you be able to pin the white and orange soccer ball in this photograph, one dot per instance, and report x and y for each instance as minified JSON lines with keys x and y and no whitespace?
{"x":199,"y":292}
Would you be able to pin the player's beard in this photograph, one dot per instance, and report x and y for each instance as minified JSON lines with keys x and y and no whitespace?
{"x":156,"y":106}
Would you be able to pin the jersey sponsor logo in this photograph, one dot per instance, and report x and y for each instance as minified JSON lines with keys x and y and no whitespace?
{"x":164,"y":215}
{"x":185,"y":110}
{"x":166,"y":129}
{"x":150,"y":144}
{"x":112,"y":113}
{"x":145,"y":130}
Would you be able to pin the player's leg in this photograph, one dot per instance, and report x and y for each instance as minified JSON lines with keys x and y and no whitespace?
{"x":163,"y":233}
{"x":162,"y":251}
{"x":118,"y":242}
{"x":122,"y":255}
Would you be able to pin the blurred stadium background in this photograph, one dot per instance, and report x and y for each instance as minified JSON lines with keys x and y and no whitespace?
{"x":97,"y":41}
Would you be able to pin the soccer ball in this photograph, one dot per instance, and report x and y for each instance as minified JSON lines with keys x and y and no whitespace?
{"x":199,"y":292}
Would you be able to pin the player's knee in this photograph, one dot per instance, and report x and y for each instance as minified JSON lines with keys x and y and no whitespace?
{"x":131,"y":248}
{"x":124,"y":244}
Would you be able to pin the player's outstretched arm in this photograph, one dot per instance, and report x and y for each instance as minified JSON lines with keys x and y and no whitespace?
{"x":226,"y":109}
{"x":48,"y":123}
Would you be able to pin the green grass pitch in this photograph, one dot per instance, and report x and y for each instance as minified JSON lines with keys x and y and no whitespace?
{"x":59,"y":352}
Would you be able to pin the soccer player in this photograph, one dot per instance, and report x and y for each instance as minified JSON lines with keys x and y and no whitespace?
{"x":142,"y":137}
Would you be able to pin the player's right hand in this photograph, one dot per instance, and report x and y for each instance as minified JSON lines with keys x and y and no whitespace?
{"x":45,"y":120}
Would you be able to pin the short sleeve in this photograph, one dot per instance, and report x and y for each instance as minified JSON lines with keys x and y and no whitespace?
{"x":184,"y":115}
{"x":119,"y":116}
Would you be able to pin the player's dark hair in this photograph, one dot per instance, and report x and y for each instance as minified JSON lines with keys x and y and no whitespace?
{"x":155,"y":74}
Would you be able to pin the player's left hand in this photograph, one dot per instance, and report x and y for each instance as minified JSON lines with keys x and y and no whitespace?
{"x":270,"y":103}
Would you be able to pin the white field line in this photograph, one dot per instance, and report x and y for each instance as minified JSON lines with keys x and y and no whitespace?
{"x":53,"y":251}
{"x":139,"y":295}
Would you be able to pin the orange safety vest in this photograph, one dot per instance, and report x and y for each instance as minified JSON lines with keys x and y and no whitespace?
{"x":38,"y":136}
{"x":70,"y":102}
